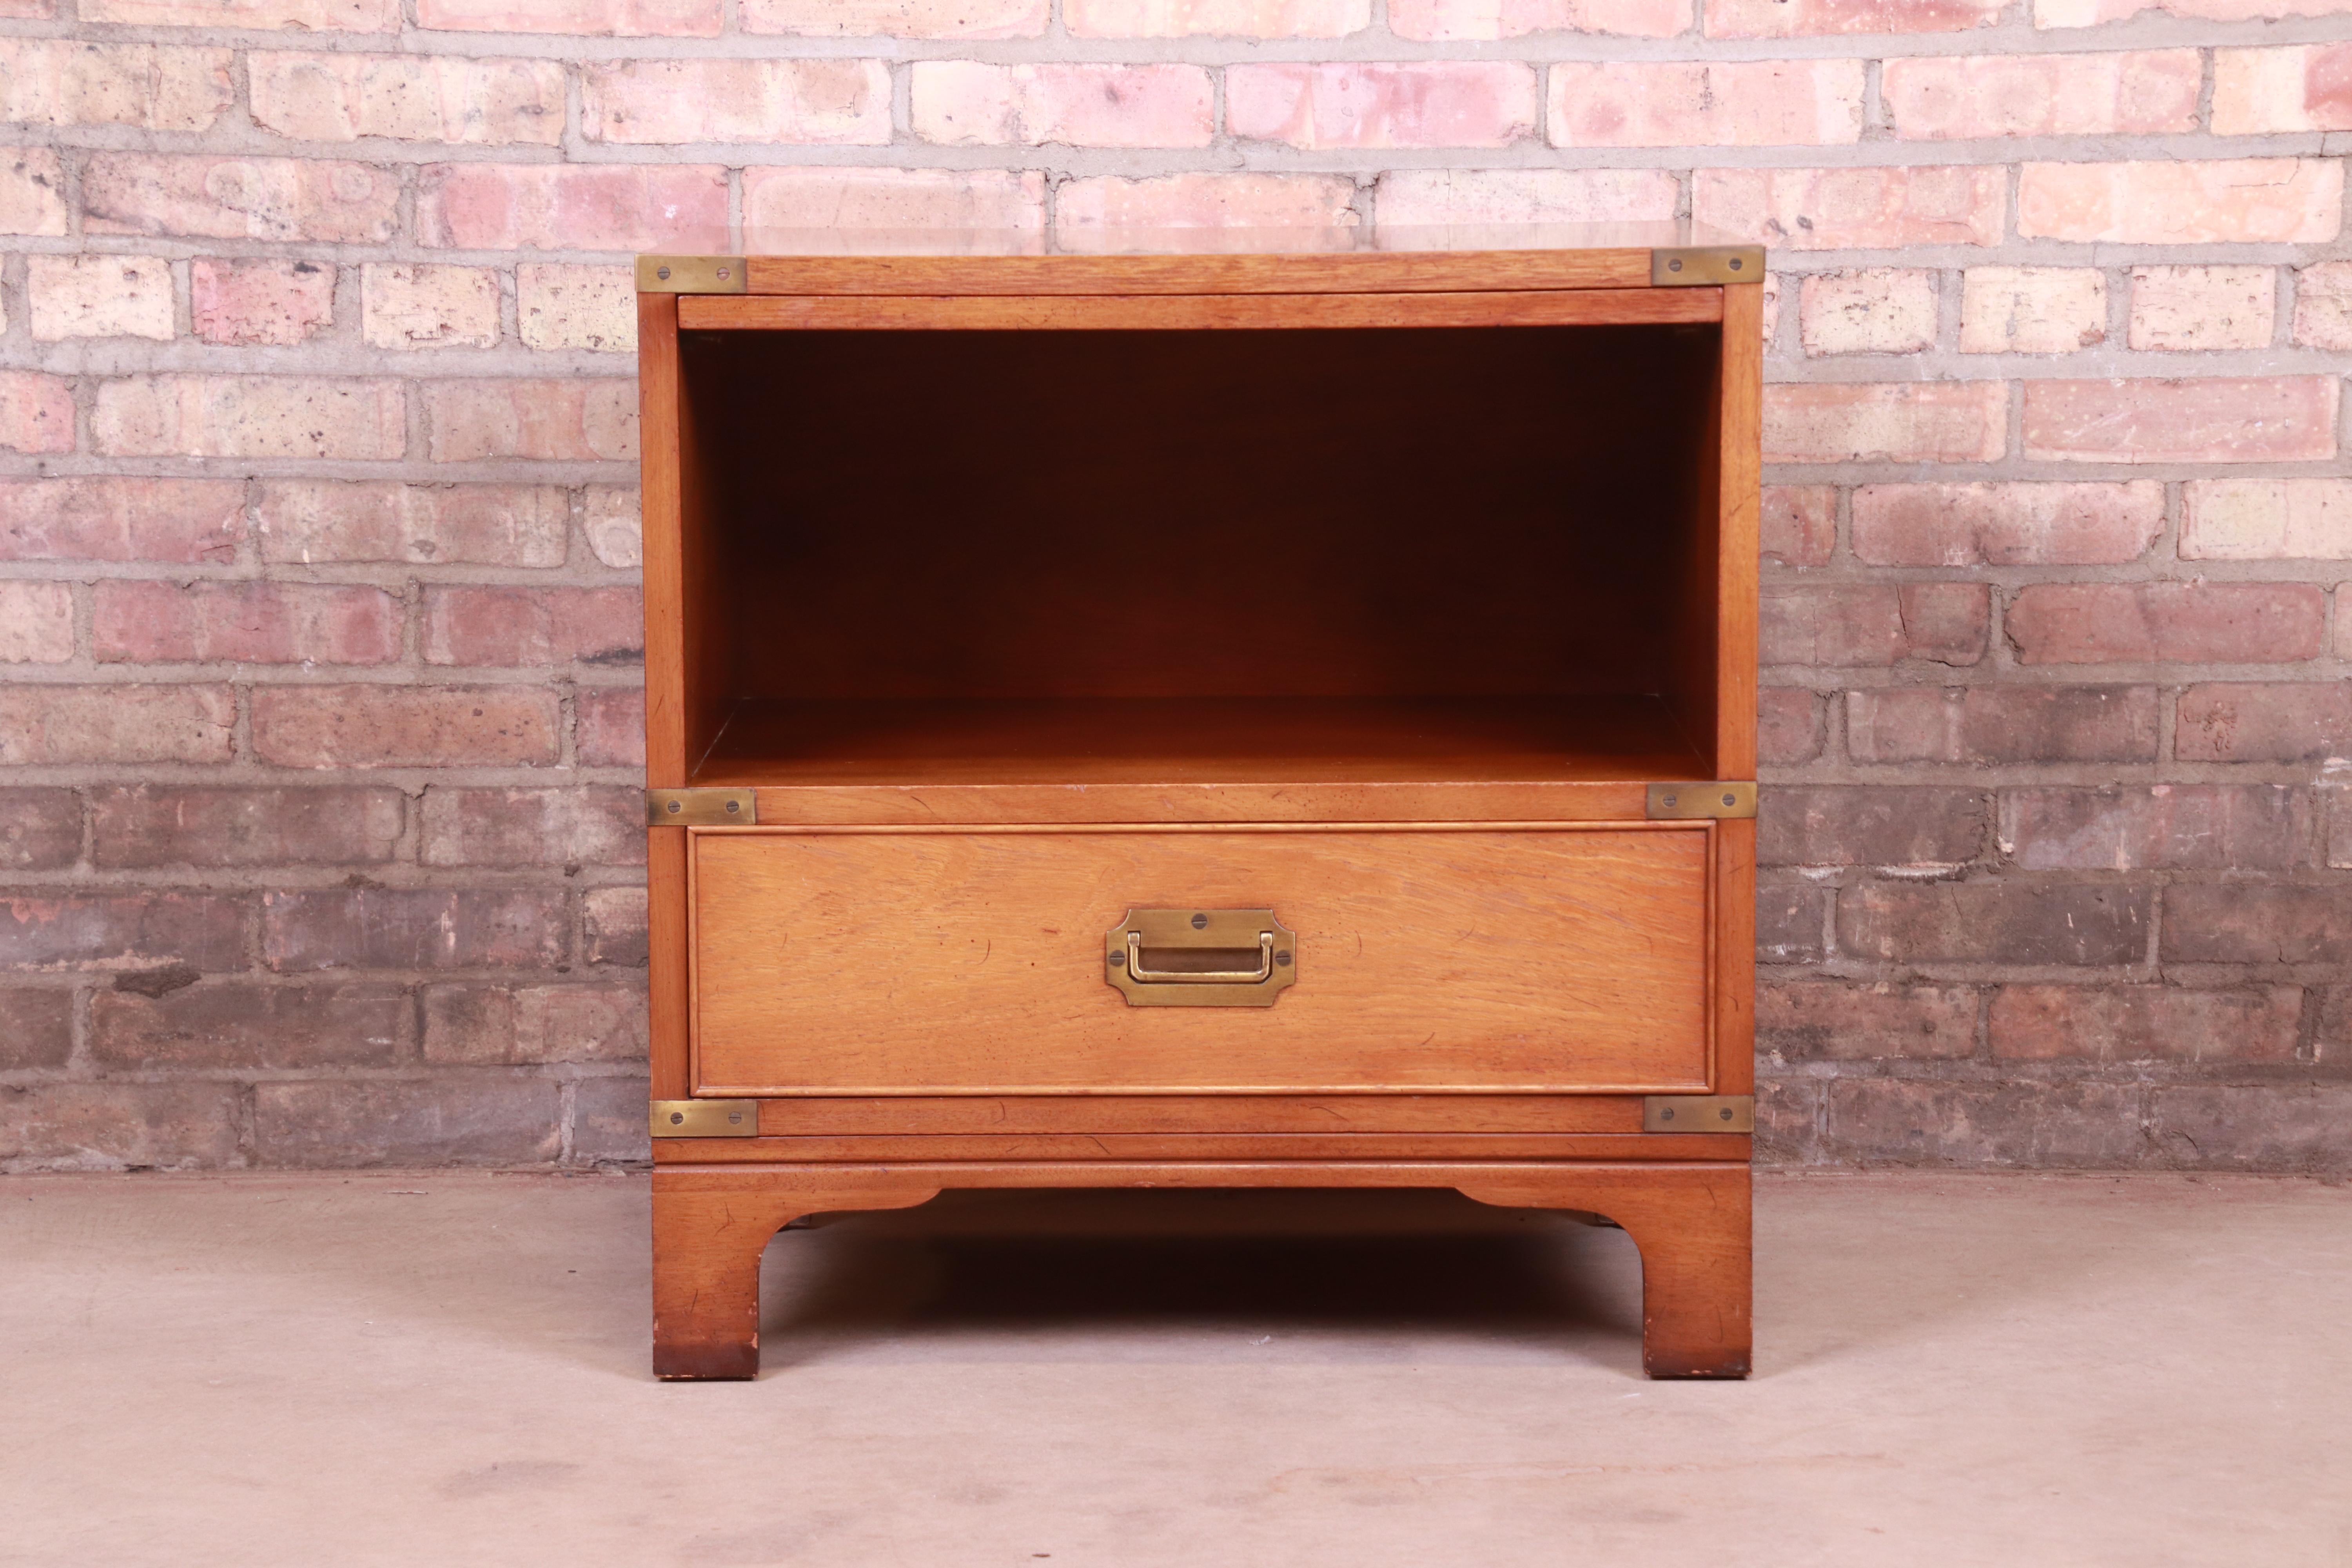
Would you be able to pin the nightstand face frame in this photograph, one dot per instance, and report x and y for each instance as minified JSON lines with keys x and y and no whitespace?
{"x":969,"y":1126}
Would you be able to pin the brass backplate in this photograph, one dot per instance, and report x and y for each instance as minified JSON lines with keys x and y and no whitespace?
{"x":701,"y":808}
{"x":1201,"y":958}
{"x":1721,"y":798}
{"x":704,"y":1118}
{"x":1698,"y":1113}
{"x":1698,"y":264}
{"x":691,"y":275}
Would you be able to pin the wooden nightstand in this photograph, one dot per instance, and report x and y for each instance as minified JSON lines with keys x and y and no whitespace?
{"x":1214,"y":720}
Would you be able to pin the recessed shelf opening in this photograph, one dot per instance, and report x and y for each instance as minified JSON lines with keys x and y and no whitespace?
{"x":1422,"y":554}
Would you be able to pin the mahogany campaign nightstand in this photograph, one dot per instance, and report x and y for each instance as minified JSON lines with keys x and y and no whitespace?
{"x":1227,"y":719}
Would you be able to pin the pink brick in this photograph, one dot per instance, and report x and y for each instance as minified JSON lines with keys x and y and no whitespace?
{"x":1215,"y":18}
{"x":601,"y":825}
{"x":2278,"y":419}
{"x":2266,"y":519}
{"x":2282,"y":91}
{"x":180,"y":522}
{"x":32,"y":192}
{"x":406,"y":306}
{"x":251,"y":302}
{"x":2145,"y":1023}
{"x":58,"y":724}
{"x":1437,"y":103}
{"x":1790,"y":18}
{"x":2043,"y":95}
{"x":1875,"y":624}
{"x":582,"y":418}
{"x":2185,"y":307}
{"x":310,"y":520}
{"x":59,"y":82}
{"x":613,"y":728}
{"x":819,"y":101}
{"x":1853,"y":209}
{"x":212,"y":197}
{"x":966,"y":103}
{"x":1905,"y":422}
{"x":249,"y":416}
{"x":1677,"y":104}
{"x":1094,"y":214}
{"x":1445,"y":20}
{"x":28,"y":10}
{"x":2091,"y":13}
{"x":897,"y":18}
{"x":245,"y":623}
{"x":604,"y":18}
{"x":310,"y":15}
{"x":1799,"y":524}
{"x":405,"y":726}
{"x":992,"y":202}
{"x":36,"y":623}
{"x":36,"y":412}
{"x":411,"y":927}
{"x":108,"y":296}
{"x":1995,"y":724}
{"x":554,"y":207}
{"x":2007,"y":524}
{"x":2277,"y":201}
{"x":504,"y":1025}
{"x":1876,"y":310}
{"x":1787,"y":726}
{"x":407,"y":98}
{"x":593,"y":308}
{"x":532,"y":626}
{"x":613,"y":926}
{"x":1824,"y":1021}
{"x":2160,"y":827}
{"x":2323,"y":305}
{"x":1418,"y":196}
{"x":2031,"y":310}
{"x":614,"y":525}
{"x":2253,"y":721}
{"x":2131,"y":623}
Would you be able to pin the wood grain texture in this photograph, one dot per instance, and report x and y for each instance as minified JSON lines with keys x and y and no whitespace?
{"x":1195,"y":312}
{"x":1256,"y":1113}
{"x":1739,"y":426}
{"x":912,"y":962}
{"x":1690,"y":1221}
{"x":932,"y":806}
{"x":666,"y":643}
{"x":1357,"y":272}
{"x":1212,"y":1146}
{"x":1088,"y":742}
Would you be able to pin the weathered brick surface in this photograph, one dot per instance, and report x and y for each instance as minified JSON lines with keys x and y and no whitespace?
{"x":148,"y":826}
{"x":2145,"y":1023}
{"x":233,"y":1023}
{"x":320,"y":703}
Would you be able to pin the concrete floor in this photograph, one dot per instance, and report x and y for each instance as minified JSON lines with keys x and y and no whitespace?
{"x":446,"y":1368}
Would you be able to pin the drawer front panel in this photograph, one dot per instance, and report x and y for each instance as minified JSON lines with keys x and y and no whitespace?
{"x":970,"y":961}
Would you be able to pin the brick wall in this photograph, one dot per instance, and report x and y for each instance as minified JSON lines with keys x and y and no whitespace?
{"x":318,"y":546}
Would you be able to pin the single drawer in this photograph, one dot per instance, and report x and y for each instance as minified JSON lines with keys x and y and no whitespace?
{"x":972,"y":961}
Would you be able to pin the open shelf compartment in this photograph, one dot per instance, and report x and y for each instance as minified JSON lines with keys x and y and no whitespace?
{"x":1376,"y":554}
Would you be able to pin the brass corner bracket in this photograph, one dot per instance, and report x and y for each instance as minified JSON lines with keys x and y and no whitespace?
{"x":1698,"y":1113}
{"x":701,"y":807}
{"x":1720,"y":799}
{"x":691,"y":275}
{"x":703,"y":1118}
{"x":1694,"y":265}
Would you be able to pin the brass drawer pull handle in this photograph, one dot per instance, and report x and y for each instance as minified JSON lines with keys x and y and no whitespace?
{"x":1265,"y":970}
{"x":1194,"y":958}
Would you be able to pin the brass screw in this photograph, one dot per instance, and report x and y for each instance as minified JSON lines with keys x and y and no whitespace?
{"x":1667,"y":1114}
{"x":676,"y":1118}
{"x":735,"y":1117}
{"x":1674,"y":265}
{"x":734,"y":807}
{"x":674,"y":807}
{"x":662,"y":273}
{"x":1724,"y":1113}
{"x":1734,"y":265}
{"x":1670,"y":801}
{"x":1200,"y":922}
{"x":722,"y":272}
{"x":1728,"y":799}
